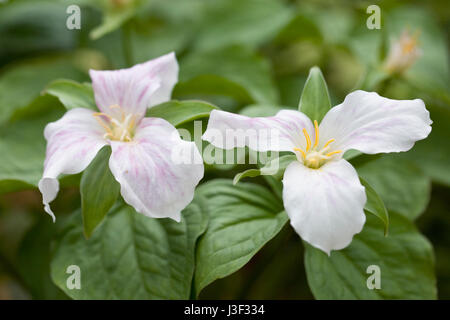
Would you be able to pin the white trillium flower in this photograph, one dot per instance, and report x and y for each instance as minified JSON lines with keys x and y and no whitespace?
{"x":322,"y":194}
{"x":150,"y":179}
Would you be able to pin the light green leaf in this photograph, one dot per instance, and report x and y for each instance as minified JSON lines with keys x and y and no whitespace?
{"x":375,"y":205}
{"x":405,"y":259}
{"x":235,"y":72}
{"x":72,"y":94}
{"x":99,"y":191}
{"x":402,"y":186}
{"x":242,"y":219}
{"x":179,"y":112}
{"x":274,"y":168}
{"x":131,"y":256}
{"x":315,"y":100}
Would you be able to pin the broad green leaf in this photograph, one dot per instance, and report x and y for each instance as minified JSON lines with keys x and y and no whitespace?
{"x":131,"y":256}
{"x":179,"y":112}
{"x":22,"y":144}
{"x":405,"y":259}
{"x":315,"y":100}
{"x":235,"y":72}
{"x":99,"y":191}
{"x":274,"y":168}
{"x":375,"y":205}
{"x":242,"y":219}
{"x":72,"y":94}
{"x":21,"y":84}
{"x":250,"y":23}
{"x":402,"y":186}
{"x":432,"y":154}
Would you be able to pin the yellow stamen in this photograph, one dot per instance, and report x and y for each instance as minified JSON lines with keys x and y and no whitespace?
{"x":326,"y":144}
{"x":301,"y":151}
{"x":316,"y":131}
{"x":333,"y":153}
{"x":308,"y":139}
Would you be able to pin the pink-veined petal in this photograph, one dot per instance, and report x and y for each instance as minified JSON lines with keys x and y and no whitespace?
{"x":282,"y":132}
{"x":325,"y":205}
{"x":157,"y":171}
{"x":72,"y":143}
{"x":372,"y":124}
{"x":137,"y":88}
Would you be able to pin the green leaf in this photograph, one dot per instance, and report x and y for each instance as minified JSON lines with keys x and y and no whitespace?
{"x":315,"y":100}
{"x":179,"y":112}
{"x":22,"y":144}
{"x":99,"y":191}
{"x":21,"y":84}
{"x":375,"y":205}
{"x":405,"y":259}
{"x":242,"y":219}
{"x":34,"y":256}
{"x":432,"y":154}
{"x":72,"y":94}
{"x":402,"y":186}
{"x":131,"y":256}
{"x":235,"y":72}
{"x":249,"y":23}
{"x":274,"y":168}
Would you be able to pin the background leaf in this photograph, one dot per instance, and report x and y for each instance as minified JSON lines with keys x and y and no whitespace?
{"x":405,"y":259}
{"x":402,"y":186}
{"x":242,"y":219}
{"x":131,"y":256}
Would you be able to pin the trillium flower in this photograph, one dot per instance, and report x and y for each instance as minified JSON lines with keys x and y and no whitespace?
{"x":142,"y":159}
{"x":403,"y":52}
{"x":322,"y":194}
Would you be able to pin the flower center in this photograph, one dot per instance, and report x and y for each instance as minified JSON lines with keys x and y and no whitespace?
{"x":119,"y":128}
{"x":314,"y":157}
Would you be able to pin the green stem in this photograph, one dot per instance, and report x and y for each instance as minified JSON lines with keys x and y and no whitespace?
{"x":126,"y":44}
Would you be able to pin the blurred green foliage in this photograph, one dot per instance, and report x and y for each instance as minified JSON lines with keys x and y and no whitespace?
{"x":249,"y":56}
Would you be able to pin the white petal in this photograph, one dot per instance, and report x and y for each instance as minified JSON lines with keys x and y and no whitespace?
{"x":137,"y":88}
{"x":372,"y":124}
{"x":325,"y":205}
{"x":72,"y":143}
{"x":154,"y":179}
{"x":282,"y":132}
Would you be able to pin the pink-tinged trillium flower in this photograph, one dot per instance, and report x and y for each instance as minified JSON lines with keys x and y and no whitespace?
{"x":322,"y":194}
{"x":403,"y":52}
{"x":142,"y":158}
